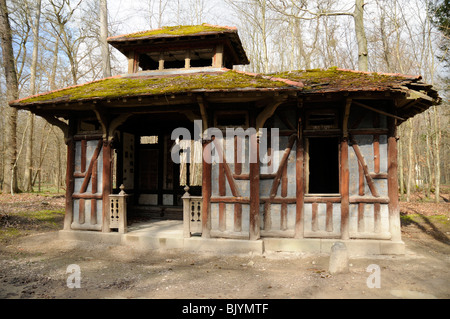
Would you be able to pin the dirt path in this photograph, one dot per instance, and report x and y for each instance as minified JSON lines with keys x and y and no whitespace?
{"x":36,"y":266}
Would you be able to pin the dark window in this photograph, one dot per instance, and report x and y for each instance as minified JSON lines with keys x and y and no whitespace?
{"x":323,"y":165}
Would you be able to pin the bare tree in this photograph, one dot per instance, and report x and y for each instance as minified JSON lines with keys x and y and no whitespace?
{"x":106,"y":63}
{"x":10,"y":180}
{"x":285,"y":7}
{"x":29,"y":148}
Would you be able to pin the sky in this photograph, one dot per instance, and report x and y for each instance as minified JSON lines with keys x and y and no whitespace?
{"x":127,"y":16}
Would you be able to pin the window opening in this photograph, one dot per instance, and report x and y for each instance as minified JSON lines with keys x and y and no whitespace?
{"x":323,"y":164}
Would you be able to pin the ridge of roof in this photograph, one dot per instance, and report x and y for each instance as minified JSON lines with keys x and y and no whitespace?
{"x":179,"y":30}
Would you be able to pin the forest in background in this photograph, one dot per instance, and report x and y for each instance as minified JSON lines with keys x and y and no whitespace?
{"x":57,"y":43}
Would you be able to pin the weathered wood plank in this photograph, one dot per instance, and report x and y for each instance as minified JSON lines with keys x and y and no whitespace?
{"x":106,"y":185}
{"x":376,"y":153}
{"x":315,"y":199}
{"x":344,"y":188}
{"x":368,"y":199}
{"x":222,"y":192}
{"x":329,"y":218}
{"x":314,"y":221}
{"x":93,"y":211}
{"x":255,"y":231}
{"x":299,"y":188}
{"x":230,"y":199}
{"x":206,"y":192}
{"x":87,"y":196}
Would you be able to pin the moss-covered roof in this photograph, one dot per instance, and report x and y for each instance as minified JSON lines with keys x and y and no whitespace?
{"x":307,"y":82}
{"x":127,"y":86}
{"x":180,"y":30}
{"x":335,"y":79}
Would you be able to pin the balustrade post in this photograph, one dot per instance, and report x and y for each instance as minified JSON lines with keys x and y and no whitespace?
{"x":118,"y":211}
{"x":186,"y":213}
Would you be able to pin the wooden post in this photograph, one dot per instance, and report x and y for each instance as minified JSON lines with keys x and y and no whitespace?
{"x":187,"y":59}
{"x":344,"y":175}
{"x":206,"y":192}
{"x":70,"y":179}
{"x":186,"y":213}
{"x":107,"y":184}
{"x":345,"y":205}
{"x":255,"y":231}
{"x":218,"y":56}
{"x":131,"y":62}
{"x":300,"y":189}
{"x":394,"y":211}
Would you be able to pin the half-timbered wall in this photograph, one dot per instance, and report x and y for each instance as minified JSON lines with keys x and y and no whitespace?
{"x":230,"y":190}
{"x":88,"y":184}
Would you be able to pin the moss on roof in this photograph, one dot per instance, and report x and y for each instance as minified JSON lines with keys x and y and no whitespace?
{"x":152,"y":85}
{"x":178,"y":30}
{"x":314,"y":81}
{"x":334,"y":78}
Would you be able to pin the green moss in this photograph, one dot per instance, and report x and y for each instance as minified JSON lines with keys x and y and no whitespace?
{"x":135,"y":86}
{"x":20,"y":224}
{"x":316,"y":79}
{"x":177,"y":30}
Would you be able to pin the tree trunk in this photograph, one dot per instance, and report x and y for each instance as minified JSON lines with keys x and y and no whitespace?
{"x":437,"y":166}
{"x":27,"y":184}
{"x":400,"y":165}
{"x":358,"y":15}
{"x":10,"y":180}
{"x":106,"y":63}
{"x":410,"y":161}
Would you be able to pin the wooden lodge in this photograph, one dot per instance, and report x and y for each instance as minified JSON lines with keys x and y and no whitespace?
{"x":331,"y":175}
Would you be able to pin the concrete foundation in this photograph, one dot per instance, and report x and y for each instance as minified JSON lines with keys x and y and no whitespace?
{"x":168,"y":234}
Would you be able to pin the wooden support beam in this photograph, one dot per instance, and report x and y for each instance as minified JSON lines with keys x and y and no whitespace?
{"x":268,"y":111}
{"x":361,"y":160}
{"x":329,"y":218}
{"x":348,"y":104}
{"x":103,"y":120}
{"x":63,"y":126}
{"x":394,"y":210}
{"x":218,"y":56}
{"x":131,"y":62}
{"x":115,"y":123}
{"x":206,"y":192}
{"x":203,"y":105}
{"x":377,"y":111}
{"x":255,"y":231}
{"x":106,"y":184}
{"x":344,"y":189}
{"x":283,"y":162}
{"x":93,"y":161}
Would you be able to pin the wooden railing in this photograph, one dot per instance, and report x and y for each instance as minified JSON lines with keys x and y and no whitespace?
{"x":192,"y":214}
